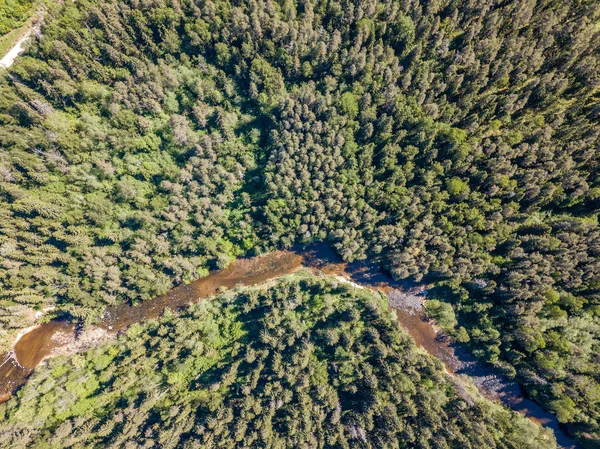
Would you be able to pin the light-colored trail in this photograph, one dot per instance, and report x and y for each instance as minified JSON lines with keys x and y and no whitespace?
{"x":19,"y":47}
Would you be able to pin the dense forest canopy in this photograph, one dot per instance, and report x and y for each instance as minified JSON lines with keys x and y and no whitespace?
{"x":143,"y":142}
{"x":305,"y":364}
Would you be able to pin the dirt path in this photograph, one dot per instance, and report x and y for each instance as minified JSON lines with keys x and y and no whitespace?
{"x":19,"y":47}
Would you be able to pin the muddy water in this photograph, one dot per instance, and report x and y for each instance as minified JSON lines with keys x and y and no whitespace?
{"x":51,"y":337}
{"x":241,"y":272}
{"x":407,"y":299}
{"x":27,"y":353}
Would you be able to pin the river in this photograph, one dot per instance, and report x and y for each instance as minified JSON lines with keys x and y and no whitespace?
{"x":56,"y":337}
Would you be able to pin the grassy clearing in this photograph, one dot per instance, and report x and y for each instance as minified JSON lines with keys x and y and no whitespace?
{"x":9,"y":40}
{"x":16,"y":18}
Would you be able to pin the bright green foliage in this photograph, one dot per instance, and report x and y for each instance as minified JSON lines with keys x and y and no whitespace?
{"x":306,"y":363}
{"x":143,"y":142}
{"x":13,"y":13}
{"x":349,"y":105}
{"x":111,"y":188}
{"x":457,"y":187}
{"x":442,"y":313}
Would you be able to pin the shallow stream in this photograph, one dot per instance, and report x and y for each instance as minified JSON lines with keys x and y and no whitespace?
{"x":53,"y":337}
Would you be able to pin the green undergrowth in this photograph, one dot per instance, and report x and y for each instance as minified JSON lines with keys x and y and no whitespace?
{"x":307,"y":362}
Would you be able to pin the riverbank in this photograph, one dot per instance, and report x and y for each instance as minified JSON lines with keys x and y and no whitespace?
{"x":60,"y":337}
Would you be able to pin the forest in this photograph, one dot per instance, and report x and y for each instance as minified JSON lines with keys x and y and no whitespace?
{"x":13,"y":14}
{"x":454,"y":142}
{"x":307,"y":363}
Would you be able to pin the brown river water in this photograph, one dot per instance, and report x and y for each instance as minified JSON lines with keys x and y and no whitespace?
{"x":407,"y":299}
